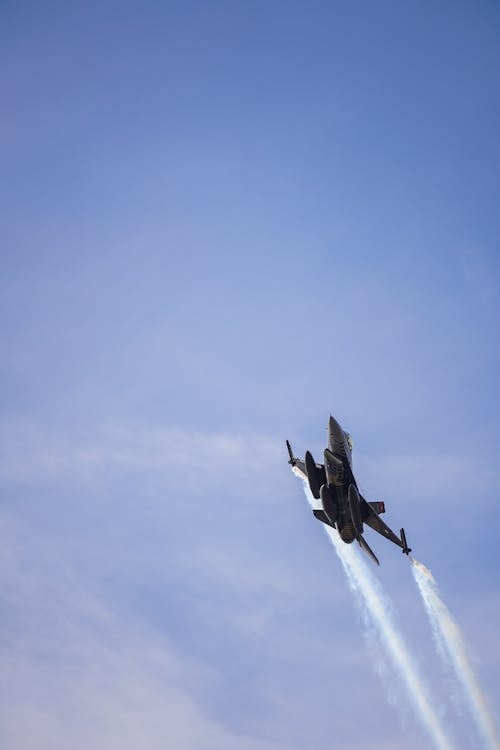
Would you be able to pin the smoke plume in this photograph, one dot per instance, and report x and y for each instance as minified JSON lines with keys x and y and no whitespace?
{"x":451,"y":647}
{"x":376,"y":608}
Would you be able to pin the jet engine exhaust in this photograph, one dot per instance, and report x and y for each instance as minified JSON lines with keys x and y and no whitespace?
{"x":452,"y":649}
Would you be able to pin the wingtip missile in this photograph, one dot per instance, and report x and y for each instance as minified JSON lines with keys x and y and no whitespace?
{"x":406,"y":550}
{"x":290,"y":453}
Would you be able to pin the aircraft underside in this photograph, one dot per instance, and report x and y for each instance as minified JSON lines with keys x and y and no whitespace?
{"x":333,"y":483}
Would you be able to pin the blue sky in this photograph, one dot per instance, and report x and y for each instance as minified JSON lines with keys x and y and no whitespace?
{"x":221,"y":222}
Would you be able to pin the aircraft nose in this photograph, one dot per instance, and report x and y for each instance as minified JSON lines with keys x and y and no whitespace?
{"x":332,"y":425}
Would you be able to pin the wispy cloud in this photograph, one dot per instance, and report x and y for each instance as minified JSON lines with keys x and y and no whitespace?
{"x":31,"y":453}
{"x":93,"y":681}
{"x":156,"y":581}
{"x":127,"y":623}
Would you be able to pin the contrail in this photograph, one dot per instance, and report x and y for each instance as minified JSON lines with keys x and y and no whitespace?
{"x":451,"y":647}
{"x":376,"y":610}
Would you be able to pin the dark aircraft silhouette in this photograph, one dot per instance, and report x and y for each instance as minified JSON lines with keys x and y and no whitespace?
{"x":344,"y":508}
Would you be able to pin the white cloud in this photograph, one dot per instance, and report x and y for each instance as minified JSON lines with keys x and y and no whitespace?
{"x":76,"y":673}
{"x":80,"y":664}
{"x":33,"y":454}
{"x":114,"y":690}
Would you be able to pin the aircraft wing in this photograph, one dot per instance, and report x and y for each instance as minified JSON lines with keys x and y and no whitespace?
{"x":376,"y":523}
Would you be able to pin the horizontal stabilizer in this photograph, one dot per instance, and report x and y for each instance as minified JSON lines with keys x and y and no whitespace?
{"x":321,"y":516}
{"x":366,"y":547}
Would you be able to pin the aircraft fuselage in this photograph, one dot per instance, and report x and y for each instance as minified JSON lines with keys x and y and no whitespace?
{"x":333,"y":483}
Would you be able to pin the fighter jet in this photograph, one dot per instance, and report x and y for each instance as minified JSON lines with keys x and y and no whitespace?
{"x":333,"y":483}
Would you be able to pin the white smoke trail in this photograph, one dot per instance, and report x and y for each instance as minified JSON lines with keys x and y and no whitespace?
{"x":451,"y":647}
{"x":376,"y":610}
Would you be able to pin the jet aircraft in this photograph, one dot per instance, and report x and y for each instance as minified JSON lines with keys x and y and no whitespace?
{"x":343,"y":507}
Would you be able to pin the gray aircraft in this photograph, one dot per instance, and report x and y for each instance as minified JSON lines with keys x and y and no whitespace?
{"x":344,"y":508}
